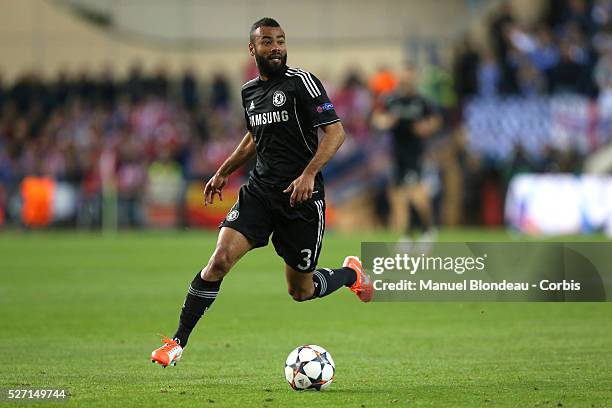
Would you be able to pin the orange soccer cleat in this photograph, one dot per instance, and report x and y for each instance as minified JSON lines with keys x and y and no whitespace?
{"x":362,"y":287}
{"x":168,"y":354}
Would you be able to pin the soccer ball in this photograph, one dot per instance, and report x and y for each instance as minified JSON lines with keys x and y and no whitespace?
{"x":309,"y":367}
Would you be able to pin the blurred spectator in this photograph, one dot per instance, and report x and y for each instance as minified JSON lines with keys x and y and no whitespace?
{"x":437,"y":86}
{"x":603,"y":78}
{"x":465,"y":69}
{"x":353,"y":104}
{"x":189,"y":90}
{"x":86,"y":88}
{"x":520,"y":39}
{"x":60,"y":90}
{"x":602,"y":40}
{"x":488,"y":75}
{"x":131,"y":178}
{"x":577,"y":12}
{"x":580,"y":50}
{"x":531,"y":82}
{"x":500,"y":27}
{"x":601,"y":12}
{"x":158,"y":84}
{"x":545,"y":54}
{"x":135,"y":85}
{"x":220,"y":95}
{"x":411,"y":119}
{"x":22,"y":92}
{"x":107,"y":90}
{"x":568,"y":75}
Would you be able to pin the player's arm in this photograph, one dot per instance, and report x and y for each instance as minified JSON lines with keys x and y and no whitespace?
{"x":427,"y":126}
{"x":382,"y":119}
{"x":243,"y":152}
{"x":302,"y":187}
{"x":430,"y":121}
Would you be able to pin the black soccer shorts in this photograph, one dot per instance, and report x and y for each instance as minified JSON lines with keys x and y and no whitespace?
{"x":297,"y":232}
{"x":407,"y":174}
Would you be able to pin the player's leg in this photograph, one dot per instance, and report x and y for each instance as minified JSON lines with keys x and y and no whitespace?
{"x":246,"y":226}
{"x":419,"y":197}
{"x":297,"y":238}
{"x":325,"y":281}
{"x":398,"y":200}
{"x":299,"y":284}
{"x":203,"y":290}
{"x":318,"y":283}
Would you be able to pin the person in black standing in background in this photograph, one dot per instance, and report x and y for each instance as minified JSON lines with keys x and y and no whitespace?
{"x":411,"y":119}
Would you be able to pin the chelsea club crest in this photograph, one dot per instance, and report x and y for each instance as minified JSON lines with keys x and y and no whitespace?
{"x":232,"y":215}
{"x":279,"y":98}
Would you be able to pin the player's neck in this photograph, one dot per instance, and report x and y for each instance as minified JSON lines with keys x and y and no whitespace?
{"x":266,"y":76}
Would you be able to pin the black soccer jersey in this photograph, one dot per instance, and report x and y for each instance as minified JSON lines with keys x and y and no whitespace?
{"x":408,"y":147}
{"x":283,"y":114}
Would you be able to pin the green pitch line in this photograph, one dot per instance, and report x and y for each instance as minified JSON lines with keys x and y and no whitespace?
{"x":81,"y":311}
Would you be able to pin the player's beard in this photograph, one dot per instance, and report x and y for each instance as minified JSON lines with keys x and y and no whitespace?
{"x":267,"y":67}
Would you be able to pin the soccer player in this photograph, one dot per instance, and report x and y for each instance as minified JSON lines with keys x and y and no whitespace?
{"x":284,"y":196}
{"x":411,"y":119}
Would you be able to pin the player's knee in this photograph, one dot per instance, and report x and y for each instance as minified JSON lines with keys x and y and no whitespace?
{"x":219,"y":265}
{"x":300,"y":295}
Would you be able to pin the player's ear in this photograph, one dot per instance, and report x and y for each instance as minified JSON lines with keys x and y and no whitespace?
{"x":252,"y":49}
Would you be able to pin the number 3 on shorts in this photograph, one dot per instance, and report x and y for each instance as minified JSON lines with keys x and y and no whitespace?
{"x":305,"y":259}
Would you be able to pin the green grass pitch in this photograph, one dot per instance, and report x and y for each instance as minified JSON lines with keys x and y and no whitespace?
{"x":81,"y":311}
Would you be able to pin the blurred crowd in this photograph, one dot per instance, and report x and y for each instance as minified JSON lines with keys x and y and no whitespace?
{"x":568,"y":50}
{"x":61,"y":127}
{"x":90,"y":129}
{"x":535,"y":98}
{"x":85,"y":128}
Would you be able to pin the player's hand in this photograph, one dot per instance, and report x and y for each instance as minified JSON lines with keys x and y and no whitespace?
{"x":301,"y":189}
{"x":384,"y":120}
{"x":214,"y":186}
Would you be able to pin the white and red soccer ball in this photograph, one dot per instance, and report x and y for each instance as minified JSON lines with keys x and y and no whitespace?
{"x":309,"y":367}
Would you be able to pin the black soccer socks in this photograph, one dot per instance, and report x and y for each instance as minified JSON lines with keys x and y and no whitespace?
{"x":200,"y":297}
{"x":329,"y":280}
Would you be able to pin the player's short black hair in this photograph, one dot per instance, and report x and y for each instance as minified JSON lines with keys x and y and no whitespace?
{"x":262,"y":22}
